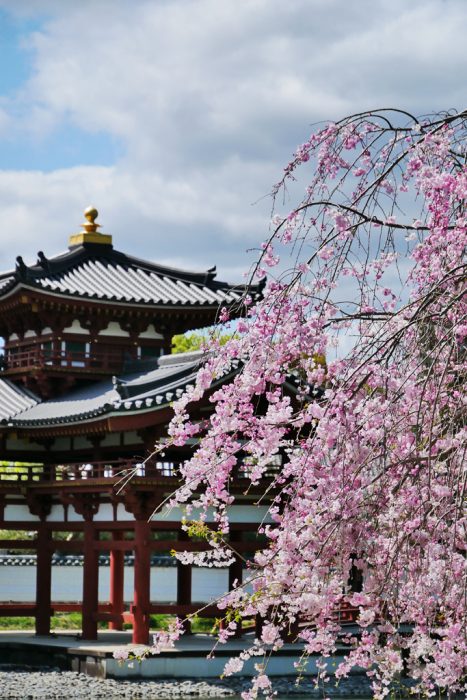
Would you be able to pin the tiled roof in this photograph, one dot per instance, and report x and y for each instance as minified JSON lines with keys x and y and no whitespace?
{"x":101,"y":273}
{"x":14,"y":400}
{"x":137,"y":392}
{"x":7,"y":281}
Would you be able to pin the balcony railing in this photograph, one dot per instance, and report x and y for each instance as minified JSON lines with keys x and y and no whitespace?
{"x":105,"y":360}
{"x":121,"y":469}
{"x":115,"y":470}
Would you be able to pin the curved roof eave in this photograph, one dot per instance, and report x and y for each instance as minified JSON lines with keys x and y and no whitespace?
{"x":123,"y":407}
{"x":119,"y":302}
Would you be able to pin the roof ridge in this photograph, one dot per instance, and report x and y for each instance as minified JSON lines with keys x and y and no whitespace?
{"x":124,"y":279}
{"x":88,"y":251}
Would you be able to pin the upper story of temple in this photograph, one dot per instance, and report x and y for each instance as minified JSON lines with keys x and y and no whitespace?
{"x":93,"y":312}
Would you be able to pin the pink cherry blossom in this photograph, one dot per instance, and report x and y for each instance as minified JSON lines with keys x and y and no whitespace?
{"x":366,"y":509}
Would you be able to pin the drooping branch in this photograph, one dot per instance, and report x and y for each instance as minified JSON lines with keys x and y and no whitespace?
{"x":352,"y":371}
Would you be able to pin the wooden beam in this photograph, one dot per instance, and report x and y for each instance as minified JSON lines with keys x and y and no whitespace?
{"x":18,"y":609}
{"x":18,"y":544}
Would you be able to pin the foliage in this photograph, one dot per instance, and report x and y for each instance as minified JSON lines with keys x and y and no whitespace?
{"x":61,"y":621}
{"x":7,"y":534}
{"x":368,"y":510}
{"x":73,"y":621}
{"x":17,"y":535}
{"x":189,"y":342}
{"x":17,"y":471}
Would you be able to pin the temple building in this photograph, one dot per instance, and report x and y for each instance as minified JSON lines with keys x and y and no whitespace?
{"x":86,"y":386}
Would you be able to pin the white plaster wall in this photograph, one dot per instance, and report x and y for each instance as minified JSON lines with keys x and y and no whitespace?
{"x":15,"y":444}
{"x":151,"y":333}
{"x":81,"y":442}
{"x":111,"y":439}
{"x":105,"y":512}
{"x":62,"y":443}
{"x":122,"y":513}
{"x":114,"y":329}
{"x":18,"y":584}
{"x":131,"y":438}
{"x":17,"y":512}
{"x":57,"y":514}
{"x":73,"y":517}
{"x":237,"y":514}
{"x":208,"y":584}
{"x":76,"y":327}
{"x":248,"y":514}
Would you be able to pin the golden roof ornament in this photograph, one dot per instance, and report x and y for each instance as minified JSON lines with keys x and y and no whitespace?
{"x":90,"y":234}
{"x":90,"y":214}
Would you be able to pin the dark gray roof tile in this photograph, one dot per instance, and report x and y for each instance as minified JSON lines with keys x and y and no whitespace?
{"x":100,"y":272}
{"x":132,"y":392}
{"x":14,"y":400}
{"x":7,"y":282}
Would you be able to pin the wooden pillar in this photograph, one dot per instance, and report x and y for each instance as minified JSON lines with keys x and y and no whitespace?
{"x":90,"y":582}
{"x":96,"y":441}
{"x":355,"y":579}
{"x":184,"y":581}
{"x":259,"y":624}
{"x":236,"y":569}
{"x":48,"y":467}
{"x":117,"y":582}
{"x":142,"y":598}
{"x":43,"y":580}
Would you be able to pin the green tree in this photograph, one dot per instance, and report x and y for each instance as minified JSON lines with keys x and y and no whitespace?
{"x":189,"y":342}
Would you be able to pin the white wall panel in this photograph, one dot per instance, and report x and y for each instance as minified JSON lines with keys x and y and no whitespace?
{"x":18,"y":512}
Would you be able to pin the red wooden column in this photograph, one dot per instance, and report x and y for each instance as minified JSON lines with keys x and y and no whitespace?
{"x":184,"y":580}
{"x":117,"y":582}
{"x":43,"y":580}
{"x":90,"y":582}
{"x":236,"y":569}
{"x":142,"y":598}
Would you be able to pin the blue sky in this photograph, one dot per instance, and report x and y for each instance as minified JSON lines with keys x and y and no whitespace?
{"x":175,"y":118}
{"x":12,"y":52}
{"x":67,"y":145}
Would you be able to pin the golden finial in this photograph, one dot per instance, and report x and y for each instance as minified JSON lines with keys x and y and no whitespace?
{"x":90,"y":214}
{"x":90,"y":234}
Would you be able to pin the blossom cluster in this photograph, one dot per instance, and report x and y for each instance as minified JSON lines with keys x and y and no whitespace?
{"x":368,"y":508}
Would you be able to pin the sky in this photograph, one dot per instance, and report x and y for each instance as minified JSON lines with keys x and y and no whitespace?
{"x":175,"y":117}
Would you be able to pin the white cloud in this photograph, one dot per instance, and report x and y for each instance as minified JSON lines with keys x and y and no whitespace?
{"x":208,"y":99}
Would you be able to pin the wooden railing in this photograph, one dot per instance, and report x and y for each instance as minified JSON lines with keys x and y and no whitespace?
{"x":116,"y":469}
{"x":119,"y":469}
{"x":98,"y":359}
